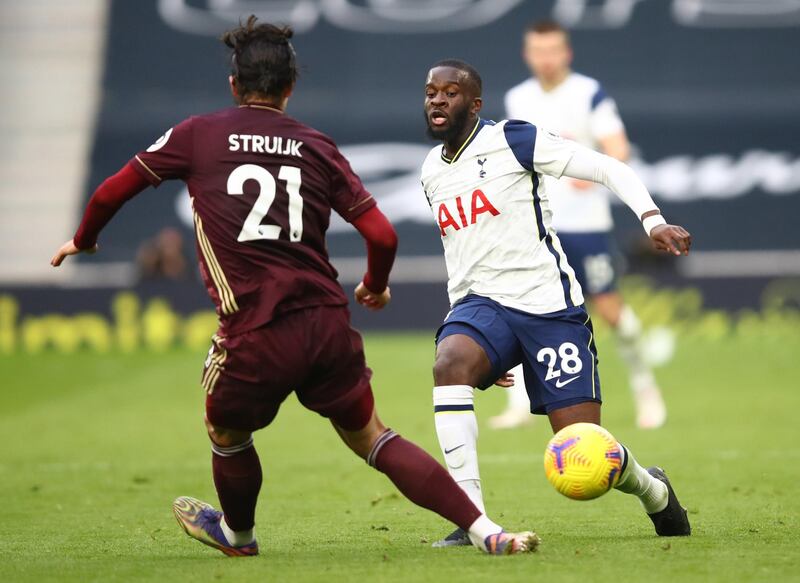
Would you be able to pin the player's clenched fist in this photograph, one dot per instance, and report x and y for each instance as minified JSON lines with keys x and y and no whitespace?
{"x":672,"y":239}
{"x":370,"y":300}
{"x":67,"y":249}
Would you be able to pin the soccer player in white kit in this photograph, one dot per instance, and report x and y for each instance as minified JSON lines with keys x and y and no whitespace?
{"x":513,"y":294}
{"x":579,"y":109}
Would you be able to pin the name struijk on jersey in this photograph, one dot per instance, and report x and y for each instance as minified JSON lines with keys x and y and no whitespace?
{"x":264,"y":144}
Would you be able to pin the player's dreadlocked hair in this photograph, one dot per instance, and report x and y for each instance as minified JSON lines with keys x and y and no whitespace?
{"x":263,"y":59}
{"x":472,"y":72}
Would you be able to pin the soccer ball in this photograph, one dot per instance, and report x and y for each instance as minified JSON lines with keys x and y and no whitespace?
{"x":583,"y":461}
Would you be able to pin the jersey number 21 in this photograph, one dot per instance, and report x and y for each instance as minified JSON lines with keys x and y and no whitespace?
{"x":253,"y":230}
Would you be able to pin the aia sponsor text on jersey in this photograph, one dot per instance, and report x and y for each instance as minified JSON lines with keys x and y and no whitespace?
{"x":458,"y":218}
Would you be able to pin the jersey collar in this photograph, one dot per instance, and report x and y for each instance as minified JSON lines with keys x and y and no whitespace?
{"x":261,"y":106}
{"x":478,"y":125}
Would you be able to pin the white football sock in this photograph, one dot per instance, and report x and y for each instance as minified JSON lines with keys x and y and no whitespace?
{"x":473,"y":490}
{"x":629,"y":343}
{"x":236,"y":538}
{"x":457,"y":429}
{"x":651,"y":492}
{"x":482,"y":528}
{"x":518,"y":394}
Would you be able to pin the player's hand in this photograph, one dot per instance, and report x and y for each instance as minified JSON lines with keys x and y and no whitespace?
{"x":370,"y":300}
{"x":672,"y":239}
{"x":506,"y":381}
{"x":67,"y":249}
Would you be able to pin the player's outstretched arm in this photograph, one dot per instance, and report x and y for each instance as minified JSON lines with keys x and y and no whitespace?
{"x":67,"y":249}
{"x":105,"y":202}
{"x":587,"y":164}
{"x":373,"y":292}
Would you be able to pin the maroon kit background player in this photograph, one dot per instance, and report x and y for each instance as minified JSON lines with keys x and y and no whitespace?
{"x":262,"y":187}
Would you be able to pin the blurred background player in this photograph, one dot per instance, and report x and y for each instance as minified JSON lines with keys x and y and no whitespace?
{"x":162,"y":256}
{"x":262,"y":187}
{"x":577,"y":107}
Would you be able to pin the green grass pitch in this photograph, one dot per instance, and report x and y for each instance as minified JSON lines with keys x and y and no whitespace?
{"x":93,"y":449}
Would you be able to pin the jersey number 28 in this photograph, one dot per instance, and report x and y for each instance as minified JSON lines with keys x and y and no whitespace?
{"x":252,"y":229}
{"x":570,"y":360}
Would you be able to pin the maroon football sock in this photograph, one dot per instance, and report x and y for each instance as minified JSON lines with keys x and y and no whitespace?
{"x":237,"y":476}
{"x":421,"y":479}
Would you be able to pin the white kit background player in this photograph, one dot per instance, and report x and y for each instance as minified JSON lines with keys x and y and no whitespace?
{"x":513,"y":294}
{"x":579,"y":109}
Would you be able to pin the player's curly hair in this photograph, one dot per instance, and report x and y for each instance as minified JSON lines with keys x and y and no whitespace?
{"x":262,"y":60}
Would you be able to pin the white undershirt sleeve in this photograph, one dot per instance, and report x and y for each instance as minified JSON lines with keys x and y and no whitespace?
{"x":551,"y":152}
{"x":619,"y":178}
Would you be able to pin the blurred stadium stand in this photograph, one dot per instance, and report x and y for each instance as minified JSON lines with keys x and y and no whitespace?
{"x":709,"y":90}
{"x":51,"y":57}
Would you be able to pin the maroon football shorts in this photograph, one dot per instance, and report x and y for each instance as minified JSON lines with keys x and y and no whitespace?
{"x":313,"y":352}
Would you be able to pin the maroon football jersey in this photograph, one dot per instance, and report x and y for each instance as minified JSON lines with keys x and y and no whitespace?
{"x":262,"y":186}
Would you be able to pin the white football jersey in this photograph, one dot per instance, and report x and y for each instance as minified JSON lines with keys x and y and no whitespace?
{"x":493,"y":212}
{"x":580,"y":110}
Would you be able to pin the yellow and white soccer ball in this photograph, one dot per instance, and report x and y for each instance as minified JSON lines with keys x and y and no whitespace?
{"x":583,"y":461}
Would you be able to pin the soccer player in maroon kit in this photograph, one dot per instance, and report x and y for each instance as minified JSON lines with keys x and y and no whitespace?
{"x":262,"y":186}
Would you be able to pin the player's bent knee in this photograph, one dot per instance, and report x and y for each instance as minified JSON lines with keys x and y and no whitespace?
{"x":226,"y":437}
{"x":451,"y":368}
{"x":363,"y":440}
{"x":460,"y":360}
{"x":358,"y":414}
{"x":588,"y":412}
{"x":362,"y":444}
